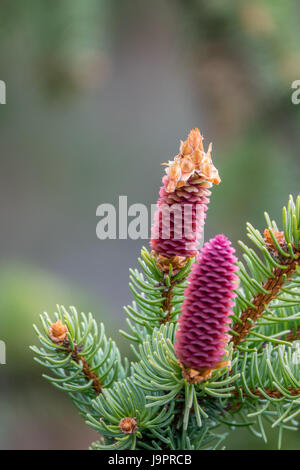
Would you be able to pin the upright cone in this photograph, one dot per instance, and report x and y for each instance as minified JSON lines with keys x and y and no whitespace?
{"x":183,"y":201}
{"x":203,"y":325}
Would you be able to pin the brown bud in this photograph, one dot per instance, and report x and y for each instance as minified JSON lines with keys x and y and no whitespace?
{"x":178,"y":262}
{"x":128,"y":425}
{"x":194,"y":376}
{"x":58,"y":332}
{"x":278,"y":235}
{"x":197,"y":376}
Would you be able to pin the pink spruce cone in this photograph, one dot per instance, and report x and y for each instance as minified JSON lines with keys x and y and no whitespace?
{"x":179,"y":220}
{"x":204,"y":322}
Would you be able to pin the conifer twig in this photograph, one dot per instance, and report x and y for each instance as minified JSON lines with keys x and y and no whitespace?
{"x":273,"y":285}
{"x":58,"y":333}
{"x":167,"y":305}
{"x":271,"y":393}
{"x":293,"y":336}
{"x":86,"y":368}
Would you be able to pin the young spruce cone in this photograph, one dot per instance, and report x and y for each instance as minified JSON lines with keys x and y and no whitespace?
{"x":203,"y":325}
{"x":184,"y":196}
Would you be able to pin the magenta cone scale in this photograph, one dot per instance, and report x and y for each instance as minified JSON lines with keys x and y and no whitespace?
{"x":204,"y":322}
{"x":179,"y":220}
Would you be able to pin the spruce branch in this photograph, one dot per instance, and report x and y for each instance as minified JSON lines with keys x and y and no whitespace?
{"x":267,"y":390}
{"x":159,"y":369}
{"x":270,"y":279}
{"x":79,"y":355}
{"x":270,"y":290}
{"x":157,"y":295}
{"x":58,"y":333}
{"x":120,"y":414}
{"x":90,"y":376}
{"x":192,"y":373}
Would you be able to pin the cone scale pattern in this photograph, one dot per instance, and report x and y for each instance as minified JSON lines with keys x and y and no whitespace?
{"x":184,"y":196}
{"x":179,"y":220}
{"x":203,"y":325}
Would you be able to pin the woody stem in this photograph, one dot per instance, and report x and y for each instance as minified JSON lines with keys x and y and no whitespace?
{"x":86,"y":369}
{"x":167,"y":304}
{"x":273,"y":285}
{"x":272,"y":393}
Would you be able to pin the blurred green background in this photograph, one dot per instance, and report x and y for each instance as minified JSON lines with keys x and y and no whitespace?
{"x":99,"y":92}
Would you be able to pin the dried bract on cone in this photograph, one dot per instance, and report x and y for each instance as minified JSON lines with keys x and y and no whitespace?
{"x":183,"y":200}
{"x":203,"y":325}
{"x":58,"y":332}
{"x":191,"y":160}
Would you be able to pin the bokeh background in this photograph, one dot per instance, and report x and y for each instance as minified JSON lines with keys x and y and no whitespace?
{"x":99,"y":92}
